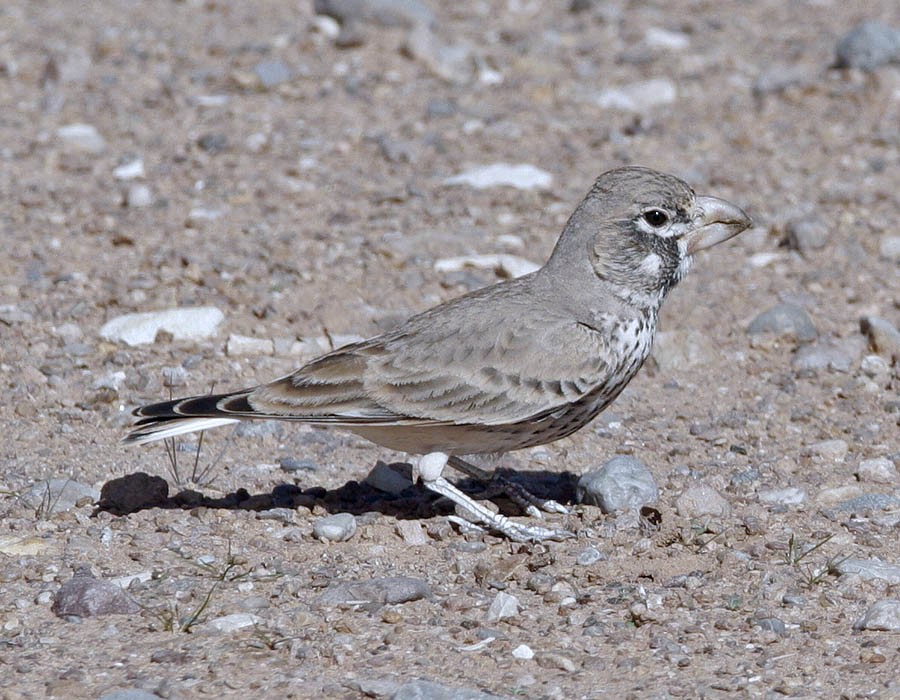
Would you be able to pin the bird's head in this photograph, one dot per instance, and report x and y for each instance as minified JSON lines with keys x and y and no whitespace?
{"x":641,"y":228}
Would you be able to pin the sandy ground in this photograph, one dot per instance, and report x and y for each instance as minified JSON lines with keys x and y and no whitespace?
{"x":298,"y":187}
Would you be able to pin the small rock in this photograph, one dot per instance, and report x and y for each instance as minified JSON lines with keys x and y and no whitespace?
{"x":790,"y":496}
{"x":292,"y":465}
{"x":198,"y":217}
{"x":504,"y":265}
{"x":883,"y":616}
{"x":838,"y":356}
{"x":675,"y":351}
{"x":385,"y":13}
{"x":245,"y":345}
{"x":174,"y":376}
{"x":138,"y":196}
{"x":588,"y":556}
{"x":523,"y":652}
{"x":82,"y":137}
{"x":129,"y":694}
{"x":870,"y":569}
{"x":521,"y":176}
{"x":392,"y":478}
{"x":412,"y":533}
{"x":272,"y":73}
{"x":504,"y":605}
{"x":883,"y":337}
{"x":638,"y":97}
{"x":392,"y":590}
{"x":58,"y":495}
{"x":556,"y":660}
{"x":700,"y":500}
{"x":86,"y":596}
{"x":213,"y":142}
{"x":889,"y":248}
{"x":779,"y":77}
{"x":189,"y":323}
{"x":771,"y":624}
{"x":869,"y":502}
{"x":658,"y":38}
{"x":452,"y":63}
{"x":874,"y":367}
{"x":335,"y":528}
{"x":879,"y":470}
{"x":133,"y":492}
{"x":782,"y":320}
{"x":622,"y":483}
{"x":426,"y":690}
{"x":832,"y":450}
{"x":17,"y":546}
{"x":233,"y":622}
{"x":130,"y":170}
{"x":807,"y":234}
{"x":868,"y":46}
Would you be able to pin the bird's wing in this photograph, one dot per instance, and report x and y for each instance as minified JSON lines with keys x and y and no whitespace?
{"x":450,"y":367}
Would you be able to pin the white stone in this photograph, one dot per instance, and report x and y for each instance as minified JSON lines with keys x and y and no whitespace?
{"x":505,"y":264}
{"x":889,"y":248}
{"x":522,"y":176}
{"x":504,"y":605}
{"x":664,"y":39}
{"x":130,"y":170}
{"x":82,"y":137}
{"x":232,"y":623}
{"x":138,"y":196}
{"x":524,"y":652}
{"x":834,"y":450}
{"x":245,"y":345}
{"x":638,"y":97}
{"x":880,"y":470}
{"x":189,"y":323}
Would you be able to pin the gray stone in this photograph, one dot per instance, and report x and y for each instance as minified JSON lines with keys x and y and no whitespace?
{"x":699,"y":500}
{"x":639,"y":97}
{"x":188,"y":323}
{"x":868,"y":46}
{"x":382,"y":591}
{"x":272,"y":73}
{"x":426,"y":690}
{"x":784,"y":319}
{"x":412,"y":533}
{"x":521,"y":176}
{"x":870,"y":569}
{"x":889,"y":248}
{"x":830,"y":354}
{"x":386,"y":13}
{"x":232,"y":623}
{"x":86,"y":596}
{"x":869,"y":502}
{"x":588,"y":556}
{"x":833,"y":450}
{"x":883,"y":616}
{"x":129,"y":694}
{"x":245,"y":345}
{"x":58,"y":495}
{"x":392,"y":478}
{"x":790,"y":496}
{"x":675,"y":351}
{"x":621,"y":483}
{"x":292,"y":465}
{"x":503,"y":606}
{"x":335,"y":528}
{"x":138,"y":196}
{"x":808,"y":233}
{"x":879,"y":470}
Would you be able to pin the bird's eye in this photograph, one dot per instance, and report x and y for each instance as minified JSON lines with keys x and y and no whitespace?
{"x":657,"y":218}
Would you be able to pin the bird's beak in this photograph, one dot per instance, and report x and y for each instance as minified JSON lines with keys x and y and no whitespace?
{"x":716,"y":221}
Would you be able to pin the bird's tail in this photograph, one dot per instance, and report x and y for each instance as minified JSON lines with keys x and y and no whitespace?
{"x":167,"y":419}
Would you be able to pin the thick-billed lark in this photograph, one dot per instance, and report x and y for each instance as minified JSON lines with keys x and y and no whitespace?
{"x":517,"y":364}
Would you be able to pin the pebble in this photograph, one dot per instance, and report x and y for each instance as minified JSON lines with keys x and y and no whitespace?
{"x":869,"y":502}
{"x":806,"y":234}
{"x":272,"y":73}
{"x":198,"y":217}
{"x":138,"y":196}
{"x":391,"y":590}
{"x":833,"y":450}
{"x":784,"y":320}
{"x":874,"y":367}
{"x":452,"y":63}
{"x":129,"y":694}
{"x":503,"y":606}
{"x":889,"y":248}
{"x":883,"y":336}
{"x":82,"y":137}
{"x":505,"y":265}
{"x":521,"y":176}
{"x":292,"y":465}
{"x":658,"y":38}
{"x":870,"y":569}
{"x":700,"y":500}
{"x":675,"y":351}
{"x":638,"y":97}
{"x":58,"y":495}
{"x":868,"y":46}
{"x":232,"y":623}
{"x":523,"y":652}
{"x":15,"y":545}
{"x":622,"y":483}
{"x":187,"y":323}
{"x":879,"y":470}
{"x":86,"y":596}
{"x":245,"y":345}
{"x":392,"y":478}
{"x":335,"y":528}
{"x":556,"y":660}
{"x":426,"y":690}
{"x":133,"y":492}
{"x":412,"y":533}
{"x":790,"y":496}
{"x":130,"y":170}
{"x":838,"y":356}
{"x":883,"y":616}
{"x":588,"y":556}
{"x":385,"y":13}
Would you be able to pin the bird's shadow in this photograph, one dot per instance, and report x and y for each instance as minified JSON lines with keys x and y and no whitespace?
{"x":140,"y":491}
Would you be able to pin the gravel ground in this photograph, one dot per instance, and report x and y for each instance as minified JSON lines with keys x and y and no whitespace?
{"x":292,"y":172}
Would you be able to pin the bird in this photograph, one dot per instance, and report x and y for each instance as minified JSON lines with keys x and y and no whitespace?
{"x":520,"y":363}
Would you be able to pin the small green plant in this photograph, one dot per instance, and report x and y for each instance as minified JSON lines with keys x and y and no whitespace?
{"x":810,"y":575}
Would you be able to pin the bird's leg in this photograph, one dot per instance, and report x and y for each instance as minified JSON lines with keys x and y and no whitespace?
{"x":518,"y":494}
{"x":429,"y":469}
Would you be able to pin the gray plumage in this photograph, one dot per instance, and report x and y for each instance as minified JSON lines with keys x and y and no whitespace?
{"x":520,"y":363}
